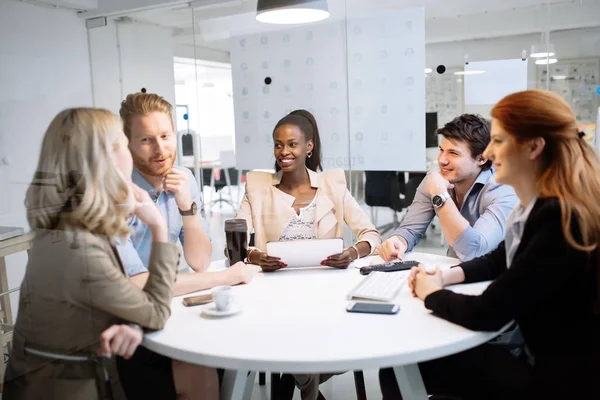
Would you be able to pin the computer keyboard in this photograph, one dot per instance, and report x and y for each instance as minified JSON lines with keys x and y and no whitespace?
{"x":381,"y":286}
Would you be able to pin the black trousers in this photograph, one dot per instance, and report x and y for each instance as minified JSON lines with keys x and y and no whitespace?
{"x":486,"y":372}
{"x":147,"y":375}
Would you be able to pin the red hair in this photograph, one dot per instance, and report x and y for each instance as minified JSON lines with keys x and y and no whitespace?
{"x":571,"y":170}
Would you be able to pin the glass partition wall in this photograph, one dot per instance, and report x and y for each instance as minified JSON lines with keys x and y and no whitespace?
{"x":380,"y":78}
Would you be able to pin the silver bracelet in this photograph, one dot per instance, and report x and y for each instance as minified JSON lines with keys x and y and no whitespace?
{"x":136,"y":327}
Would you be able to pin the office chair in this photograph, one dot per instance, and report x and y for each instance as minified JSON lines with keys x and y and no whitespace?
{"x":229,"y":174}
{"x":283,"y":386}
{"x":224,"y":181}
{"x":410,"y":191}
{"x":383,"y":189}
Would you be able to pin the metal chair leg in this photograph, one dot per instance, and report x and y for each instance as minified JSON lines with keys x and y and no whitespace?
{"x":359,"y":383}
{"x":275,"y":380}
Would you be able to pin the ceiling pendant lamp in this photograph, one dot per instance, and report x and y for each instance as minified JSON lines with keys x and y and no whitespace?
{"x":543,"y":49}
{"x":291,"y":11}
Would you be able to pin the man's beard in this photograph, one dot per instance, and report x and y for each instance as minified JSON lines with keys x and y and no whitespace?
{"x":148,"y":167}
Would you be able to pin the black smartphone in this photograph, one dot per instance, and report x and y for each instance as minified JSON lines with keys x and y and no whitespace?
{"x":373,"y":308}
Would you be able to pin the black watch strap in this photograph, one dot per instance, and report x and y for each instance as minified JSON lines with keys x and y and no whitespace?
{"x":192,"y":211}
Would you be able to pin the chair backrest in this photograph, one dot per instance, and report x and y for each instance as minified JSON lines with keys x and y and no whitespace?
{"x":187,"y":144}
{"x":382,"y":189}
{"x":412,"y":184}
{"x":226,"y":162}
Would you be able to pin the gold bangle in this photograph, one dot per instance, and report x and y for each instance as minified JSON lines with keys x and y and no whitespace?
{"x":248,"y":255}
{"x":357,"y":252}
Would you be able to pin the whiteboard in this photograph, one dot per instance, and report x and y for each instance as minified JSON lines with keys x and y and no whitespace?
{"x":370,"y":105}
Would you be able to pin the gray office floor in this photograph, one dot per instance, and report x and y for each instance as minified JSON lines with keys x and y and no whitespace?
{"x":340,"y":387}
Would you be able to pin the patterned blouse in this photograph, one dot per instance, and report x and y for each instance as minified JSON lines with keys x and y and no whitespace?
{"x":302,"y":226}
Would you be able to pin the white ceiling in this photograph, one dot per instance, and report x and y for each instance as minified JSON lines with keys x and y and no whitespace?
{"x":446,"y":20}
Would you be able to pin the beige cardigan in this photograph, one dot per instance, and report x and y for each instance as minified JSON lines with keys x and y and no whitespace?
{"x":74,"y":288}
{"x":268,"y":211}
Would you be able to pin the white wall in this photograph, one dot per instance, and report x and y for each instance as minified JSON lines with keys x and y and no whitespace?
{"x":128,"y":56}
{"x":44,"y":68}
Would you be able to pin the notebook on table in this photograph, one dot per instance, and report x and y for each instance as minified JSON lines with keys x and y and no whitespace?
{"x":305,"y":253}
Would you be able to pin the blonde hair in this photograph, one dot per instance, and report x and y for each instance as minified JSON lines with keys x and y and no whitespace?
{"x":140,"y":104}
{"x":571,"y":169}
{"x":76,"y":184}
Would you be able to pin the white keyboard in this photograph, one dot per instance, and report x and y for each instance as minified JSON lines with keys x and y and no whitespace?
{"x":382,"y":286}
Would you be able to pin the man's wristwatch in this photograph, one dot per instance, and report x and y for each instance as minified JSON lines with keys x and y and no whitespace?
{"x":192,"y":211}
{"x":440,"y":199}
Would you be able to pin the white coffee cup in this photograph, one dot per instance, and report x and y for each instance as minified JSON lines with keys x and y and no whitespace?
{"x":223,"y":297}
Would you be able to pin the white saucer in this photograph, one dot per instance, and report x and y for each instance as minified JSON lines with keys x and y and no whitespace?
{"x":211,"y":310}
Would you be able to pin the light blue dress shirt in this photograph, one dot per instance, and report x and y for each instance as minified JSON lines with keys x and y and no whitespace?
{"x":515,"y":225}
{"x":135,"y":253}
{"x":486,"y":207}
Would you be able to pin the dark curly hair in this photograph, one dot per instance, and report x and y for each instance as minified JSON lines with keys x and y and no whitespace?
{"x":472,"y":129}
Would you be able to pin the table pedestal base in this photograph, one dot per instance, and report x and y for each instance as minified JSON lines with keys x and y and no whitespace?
{"x":237,"y":384}
{"x":410,"y":382}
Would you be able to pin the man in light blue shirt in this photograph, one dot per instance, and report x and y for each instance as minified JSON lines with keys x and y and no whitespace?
{"x":141,"y":237}
{"x":148,"y":124}
{"x":471,"y":206}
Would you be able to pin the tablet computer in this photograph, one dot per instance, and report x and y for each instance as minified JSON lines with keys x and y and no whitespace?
{"x":305,"y":253}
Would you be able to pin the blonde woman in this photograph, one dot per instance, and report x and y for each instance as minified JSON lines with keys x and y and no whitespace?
{"x":75,"y":287}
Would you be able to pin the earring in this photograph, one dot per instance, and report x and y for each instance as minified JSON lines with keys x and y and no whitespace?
{"x":309,"y":154}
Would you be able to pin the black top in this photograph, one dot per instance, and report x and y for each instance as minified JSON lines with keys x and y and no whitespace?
{"x":549,"y":290}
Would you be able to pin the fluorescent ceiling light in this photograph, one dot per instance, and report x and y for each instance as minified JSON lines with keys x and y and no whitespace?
{"x":291,"y":11}
{"x":541,"y":55}
{"x":428,"y":70}
{"x":542,"y":49}
{"x":544,"y":61}
{"x":559,"y":77}
{"x":471,"y":72}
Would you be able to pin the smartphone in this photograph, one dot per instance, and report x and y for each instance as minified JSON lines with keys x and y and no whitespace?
{"x":197,"y":300}
{"x":373,"y":308}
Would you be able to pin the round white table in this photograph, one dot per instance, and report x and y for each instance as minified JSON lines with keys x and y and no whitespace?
{"x":295,"y":321}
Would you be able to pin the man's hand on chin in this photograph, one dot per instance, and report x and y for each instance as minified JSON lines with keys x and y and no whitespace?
{"x":176,"y":182}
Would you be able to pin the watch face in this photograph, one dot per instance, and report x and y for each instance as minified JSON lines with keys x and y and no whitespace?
{"x":194,"y":208}
{"x":437,"y":200}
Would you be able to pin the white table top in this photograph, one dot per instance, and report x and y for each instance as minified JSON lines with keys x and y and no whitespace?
{"x":7,"y":232}
{"x":296,"y":321}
